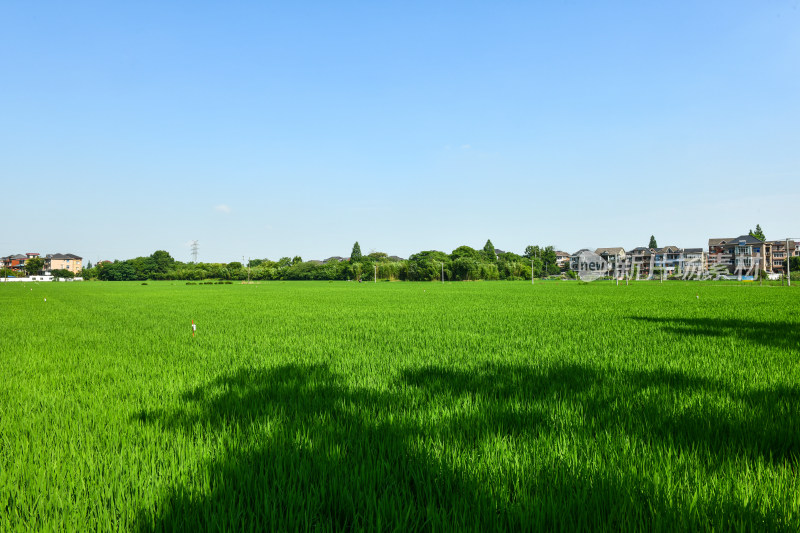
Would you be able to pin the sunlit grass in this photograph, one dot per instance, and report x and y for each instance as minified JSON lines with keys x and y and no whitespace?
{"x":399,"y":406}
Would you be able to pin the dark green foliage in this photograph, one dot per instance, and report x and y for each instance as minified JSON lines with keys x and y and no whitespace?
{"x":430,"y":255}
{"x":378,"y":256}
{"x":465,"y":252}
{"x":161,"y":261}
{"x":119,"y":271}
{"x":653,"y":243}
{"x":34,"y":265}
{"x":531,"y":251}
{"x":549,"y":261}
{"x":511,"y":266}
{"x":355,"y":255}
{"x":465,"y":263}
{"x":489,"y":253}
{"x":758,"y":234}
{"x":62,"y":273}
{"x":465,"y":268}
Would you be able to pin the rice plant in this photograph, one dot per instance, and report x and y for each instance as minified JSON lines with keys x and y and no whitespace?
{"x":390,"y":406}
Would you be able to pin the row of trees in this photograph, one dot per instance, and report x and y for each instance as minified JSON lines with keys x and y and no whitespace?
{"x":463,"y":263}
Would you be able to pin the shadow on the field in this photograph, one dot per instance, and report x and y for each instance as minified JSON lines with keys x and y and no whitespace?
{"x":779,"y":334}
{"x":300,"y":448}
{"x":662,"y":406}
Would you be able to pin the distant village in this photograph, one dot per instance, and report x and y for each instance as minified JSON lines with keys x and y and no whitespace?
{"x":48,"y":268}
{"x":745,"y":256}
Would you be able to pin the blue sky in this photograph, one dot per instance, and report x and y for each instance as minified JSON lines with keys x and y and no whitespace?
{"x":269,"y":130}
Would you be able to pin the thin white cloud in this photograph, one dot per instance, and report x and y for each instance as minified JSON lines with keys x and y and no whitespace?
{"x":465,"y":147}
{"x":222,"y":208}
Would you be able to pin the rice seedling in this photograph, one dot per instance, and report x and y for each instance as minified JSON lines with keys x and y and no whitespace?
{"x":463,"y":406}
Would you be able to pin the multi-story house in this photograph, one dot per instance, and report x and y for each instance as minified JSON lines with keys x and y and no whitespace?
{"x":743,"y":255}
{"x":576,"y":259}
{"x":70,"y":262}
{"x":615,"y":257}
{"x":562,"y":260}
{"x":716,"y":253}
{"x":669,"y":259}
{"x":17,"y":262}
{"x":780,"y":254}
{"x":639,"y":260}
{"x":695,"y":260}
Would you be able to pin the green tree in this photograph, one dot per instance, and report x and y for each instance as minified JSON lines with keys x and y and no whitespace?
{"x":531,"y":251}
{"x":378,"y":256}
{"x":489,"y":252}
{"x":758,"y":234}
{"x":653,"y":243}
{"x":119,"y":271}
{"x":465,"y":268}
{"x":355,"y":255}
{"x":549,"y":259}
{"x":430,"y":255}
{"x":34,"y":265}
{"x":161,"y":261}
{"x":465,"y":251}
{"x":62,"y":273}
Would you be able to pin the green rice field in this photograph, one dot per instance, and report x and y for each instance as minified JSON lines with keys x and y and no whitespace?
{"x":399,"y":406}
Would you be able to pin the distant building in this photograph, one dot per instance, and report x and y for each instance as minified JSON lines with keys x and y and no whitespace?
{"x":562,"y":259}
{"x":17,"y":262}
{"x":640,"y":260}
{"x":575,"y":259}
{"x":615,"y":257}
{"x":780,"y":254}
{"x":668,"y":258}
{"x":740,"y":255}
{"x":694,"y":260}
{"x":70,"y":262}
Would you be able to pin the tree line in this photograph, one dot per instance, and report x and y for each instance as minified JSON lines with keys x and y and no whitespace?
{"x":462,"y":264}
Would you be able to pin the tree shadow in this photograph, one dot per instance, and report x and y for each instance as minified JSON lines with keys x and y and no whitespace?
{"x":777,"y":334}
{"x":322,"y":456}
{"x":306,"y":450}
{"x":651,"y":404}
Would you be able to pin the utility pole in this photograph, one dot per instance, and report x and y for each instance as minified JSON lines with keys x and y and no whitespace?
{"x":442,"y":271}
{"x":788,"y":268}
{"x":531,"y":271}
